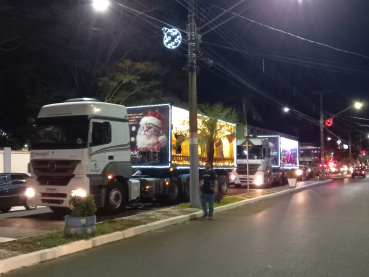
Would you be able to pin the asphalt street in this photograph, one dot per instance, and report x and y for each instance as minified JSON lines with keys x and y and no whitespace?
{"x":322,"y":231}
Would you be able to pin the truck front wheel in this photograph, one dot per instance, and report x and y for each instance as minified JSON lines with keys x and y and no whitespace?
{"x":115,"y":200}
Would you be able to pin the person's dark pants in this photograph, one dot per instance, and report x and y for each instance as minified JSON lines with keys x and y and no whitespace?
{"x":207,"y":198}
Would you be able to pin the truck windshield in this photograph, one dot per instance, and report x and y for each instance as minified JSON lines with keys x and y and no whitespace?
{"x":68,"y":132}
{"x":255,"y":152}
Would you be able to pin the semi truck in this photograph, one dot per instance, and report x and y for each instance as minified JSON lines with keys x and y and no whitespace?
{"x":269,"y":156}
{"x":118,"y":154}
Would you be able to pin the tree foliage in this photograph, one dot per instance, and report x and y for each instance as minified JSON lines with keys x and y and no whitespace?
{"x":134,"y":83}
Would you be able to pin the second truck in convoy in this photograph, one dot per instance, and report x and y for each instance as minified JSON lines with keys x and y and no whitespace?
{"x":118,"y":154}
{"x":269,"y":156}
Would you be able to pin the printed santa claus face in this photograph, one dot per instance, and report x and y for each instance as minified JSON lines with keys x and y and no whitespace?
{"x":150,"y":133}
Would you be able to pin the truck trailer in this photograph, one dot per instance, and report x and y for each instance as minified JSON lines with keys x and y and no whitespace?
{"x":120,"y":155}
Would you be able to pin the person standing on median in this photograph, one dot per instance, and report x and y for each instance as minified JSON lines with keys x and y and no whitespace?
{"x":208,"y":186}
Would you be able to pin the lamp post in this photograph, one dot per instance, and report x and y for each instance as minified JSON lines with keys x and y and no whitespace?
{"x":194,"y":154}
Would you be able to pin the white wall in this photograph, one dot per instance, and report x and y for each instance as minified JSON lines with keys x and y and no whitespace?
{"x":19,"y":160}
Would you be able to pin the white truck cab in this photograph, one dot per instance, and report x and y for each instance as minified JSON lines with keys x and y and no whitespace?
{"x":78,"y":148}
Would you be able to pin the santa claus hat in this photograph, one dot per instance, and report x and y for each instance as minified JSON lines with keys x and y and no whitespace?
{"x":155,"y":118}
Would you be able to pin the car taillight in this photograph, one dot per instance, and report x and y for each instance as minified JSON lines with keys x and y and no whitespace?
{"x":362,"y":172}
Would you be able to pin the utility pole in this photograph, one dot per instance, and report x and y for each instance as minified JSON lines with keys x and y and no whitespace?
{"x":350,"y":155}
{"x":194,"y":154}
{"x":322,"y":155}
{"x":247,"y":145}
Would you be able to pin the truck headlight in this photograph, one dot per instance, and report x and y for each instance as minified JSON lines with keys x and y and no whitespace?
{"x":30,"y":192}
{"x":298,"y":172}
{"x":258,"y":180}
{"x":78,"y":193}
{"x":233,"y":177}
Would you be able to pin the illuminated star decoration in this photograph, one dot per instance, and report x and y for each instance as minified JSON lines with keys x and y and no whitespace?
{"x":172,"y":38}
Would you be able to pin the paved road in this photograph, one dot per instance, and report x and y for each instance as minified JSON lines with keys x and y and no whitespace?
{"x":19,"y":223}
{"x":322,"y":231}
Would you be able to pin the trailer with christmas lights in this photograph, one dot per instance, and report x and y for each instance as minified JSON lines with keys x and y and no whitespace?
{"x":120,"y":155}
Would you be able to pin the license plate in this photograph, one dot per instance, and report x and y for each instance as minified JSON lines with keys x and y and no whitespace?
{"x":51,"y":190}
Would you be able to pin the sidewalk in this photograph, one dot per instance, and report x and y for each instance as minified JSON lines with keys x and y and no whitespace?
{"x":18,"y":253}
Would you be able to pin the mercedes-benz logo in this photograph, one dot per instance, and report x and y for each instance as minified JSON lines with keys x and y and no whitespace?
{"x":52,"y":166}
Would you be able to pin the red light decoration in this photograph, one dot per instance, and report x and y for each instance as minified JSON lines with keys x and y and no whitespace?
{"x":329,"y":122}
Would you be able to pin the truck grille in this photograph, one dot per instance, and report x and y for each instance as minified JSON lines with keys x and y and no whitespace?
{"x":242,"y":169}
{"x":54,"y":181}
{"x":52,"y":201}
{"x":54,"y":195}
{"x":54,"y":168}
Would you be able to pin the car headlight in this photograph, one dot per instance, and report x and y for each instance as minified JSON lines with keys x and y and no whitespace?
{"x":30,"y":192}
{"x":233,"y":177}
{"x":258,"y":180}
{"x":78,"y":192}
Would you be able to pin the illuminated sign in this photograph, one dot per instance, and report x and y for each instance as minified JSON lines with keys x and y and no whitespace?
{"x":345,"y":146}
{"x":172,"y":38}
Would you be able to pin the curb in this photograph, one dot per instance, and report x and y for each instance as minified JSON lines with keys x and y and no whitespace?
{"x":33,"y":258}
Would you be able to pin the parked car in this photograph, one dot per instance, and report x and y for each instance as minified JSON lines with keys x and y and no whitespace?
{"x":12,"y":191}
{"x":359,"y":171}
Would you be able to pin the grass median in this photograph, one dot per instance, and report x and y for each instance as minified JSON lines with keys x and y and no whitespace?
{"x":223,"y":202}
{"x":56,"y":238}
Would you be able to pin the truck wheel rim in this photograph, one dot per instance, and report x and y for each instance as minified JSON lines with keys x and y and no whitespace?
{"x":173,"y":191}
{"x":115,"y":198}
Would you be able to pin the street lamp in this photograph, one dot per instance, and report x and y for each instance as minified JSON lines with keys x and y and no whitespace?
{"x":328,"y":138}
{"x":358,"y":105}
{"x":286,"y":110}
{"x":100,"y":5}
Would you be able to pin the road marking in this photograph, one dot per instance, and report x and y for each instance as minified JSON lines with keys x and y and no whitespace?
{"x":6,"y":239}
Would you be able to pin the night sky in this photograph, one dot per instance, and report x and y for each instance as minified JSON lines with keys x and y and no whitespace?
{"x":269,"y":68}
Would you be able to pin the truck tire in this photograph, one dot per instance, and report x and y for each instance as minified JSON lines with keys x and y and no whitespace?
{"x":29,"y":207}
{"x":174,"y":193}
{"x":115,"y":198}
{"x":5,"y":210}
{"x":60,"y":211}
{"x":223,"y":184}
{"x":186,"y":191}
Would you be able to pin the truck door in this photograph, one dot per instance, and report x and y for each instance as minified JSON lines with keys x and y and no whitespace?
{"x":4,"y":183}
{"x":17,"y":189}
{"x":101,"y":146}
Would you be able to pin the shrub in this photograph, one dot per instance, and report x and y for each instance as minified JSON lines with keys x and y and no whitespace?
{"x":82,"y":206}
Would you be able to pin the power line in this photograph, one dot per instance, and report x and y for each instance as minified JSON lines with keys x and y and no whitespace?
{"x":298,"y":37}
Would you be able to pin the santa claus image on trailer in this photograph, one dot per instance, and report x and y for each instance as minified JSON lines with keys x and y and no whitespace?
{"x":151,"y":132}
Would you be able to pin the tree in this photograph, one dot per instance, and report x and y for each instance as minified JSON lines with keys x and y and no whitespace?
{"x":214,"y":127}
{"x":135,"y":83}
{"x":8,"y":141}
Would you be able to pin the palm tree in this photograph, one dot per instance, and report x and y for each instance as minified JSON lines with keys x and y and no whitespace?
{"x":213,"y":125}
